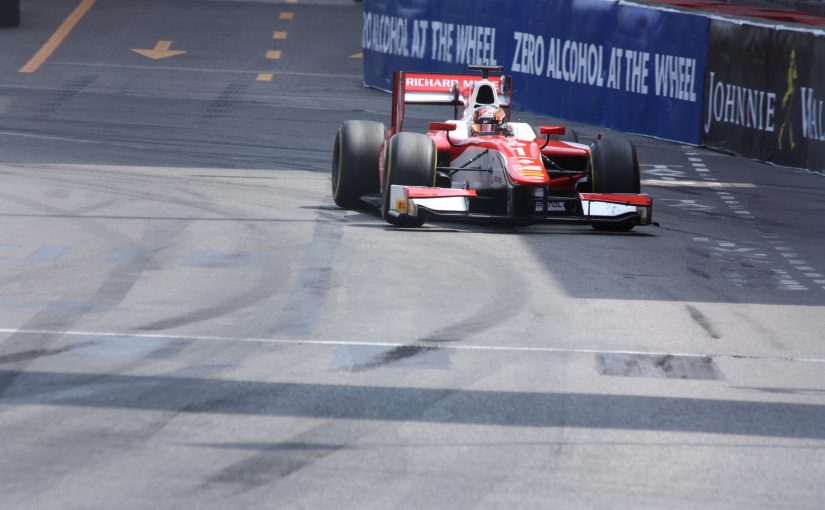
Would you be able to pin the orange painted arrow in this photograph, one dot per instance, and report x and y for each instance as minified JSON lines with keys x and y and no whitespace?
{"x":161,"y":50}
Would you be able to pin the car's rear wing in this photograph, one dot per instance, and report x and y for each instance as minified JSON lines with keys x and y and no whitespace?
{"x":440,"y":89}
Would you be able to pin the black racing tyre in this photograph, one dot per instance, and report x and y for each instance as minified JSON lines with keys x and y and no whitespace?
{"x":410,"y":161}
{"x":9,"y":13}
{"x":614,"y":167}
{"x":355,"y":162}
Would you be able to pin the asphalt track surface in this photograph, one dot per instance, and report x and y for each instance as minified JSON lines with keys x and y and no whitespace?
{"x":186,"y":320}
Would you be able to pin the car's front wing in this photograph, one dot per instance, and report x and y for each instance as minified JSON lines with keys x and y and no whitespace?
{"x":446,"y":203}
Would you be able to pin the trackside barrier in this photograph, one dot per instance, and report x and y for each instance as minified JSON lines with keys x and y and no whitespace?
{"x":632,"y":68}
{"x":754,"y":89}
{"x":764,"y":93}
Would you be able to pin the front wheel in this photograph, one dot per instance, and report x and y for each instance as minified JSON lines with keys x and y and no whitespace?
{"x":614,"y":168}
{"x":355,"y":162}
{"x":410,"y":161}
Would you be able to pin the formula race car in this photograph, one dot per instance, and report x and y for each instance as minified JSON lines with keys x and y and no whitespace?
{"x":478,"y":166}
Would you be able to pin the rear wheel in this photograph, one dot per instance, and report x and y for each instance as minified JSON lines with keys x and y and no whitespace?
{"x":410,"y":161}
{"x":614,"y":169}
{"x":355,"y":162}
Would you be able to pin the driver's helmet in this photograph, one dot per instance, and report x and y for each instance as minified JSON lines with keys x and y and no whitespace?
{"x":488,"y":120}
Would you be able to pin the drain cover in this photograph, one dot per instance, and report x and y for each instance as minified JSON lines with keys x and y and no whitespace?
{"x":657,"y":365}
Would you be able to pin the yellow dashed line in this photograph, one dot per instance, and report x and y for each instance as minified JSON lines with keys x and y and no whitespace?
{"x":278,"y":36}
{"x":292,"y":1}
{"x":57,"y":38}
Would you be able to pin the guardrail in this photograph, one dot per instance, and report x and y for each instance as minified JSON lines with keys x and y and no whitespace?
{"x":674,"y":75}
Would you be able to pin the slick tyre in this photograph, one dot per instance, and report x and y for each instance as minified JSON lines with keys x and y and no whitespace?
{"x":410,"y":161}
{"x":614,"y":169}
{"x":355,"y":162}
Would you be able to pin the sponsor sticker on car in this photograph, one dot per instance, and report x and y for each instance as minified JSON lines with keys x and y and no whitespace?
{"x":551,"y":206}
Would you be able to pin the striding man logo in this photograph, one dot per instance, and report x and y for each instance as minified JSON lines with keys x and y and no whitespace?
{"x":787,"y":105}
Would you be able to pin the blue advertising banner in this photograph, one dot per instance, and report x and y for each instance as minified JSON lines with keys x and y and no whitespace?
{"x":630,"y":68}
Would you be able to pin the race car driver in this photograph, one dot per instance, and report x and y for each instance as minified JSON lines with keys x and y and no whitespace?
{"x":488,"y":120}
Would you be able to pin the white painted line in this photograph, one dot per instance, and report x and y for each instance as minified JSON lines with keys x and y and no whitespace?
{"x":453,"y":347}
{"x":51,"y":137}
{"x":805,"y":268}
{"x":798,"y":262}
{"x":696,"y":184}
{"x":790,"y":255}
{"x":695,"y":159}
{"x":203,"y":70}
{"x":782,"y":248}
{"x":701,"y":239}
{"x":813,"y":275}
{"x":820,"y":282}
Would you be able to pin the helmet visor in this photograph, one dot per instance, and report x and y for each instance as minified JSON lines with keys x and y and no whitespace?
{"x":485,"y":128}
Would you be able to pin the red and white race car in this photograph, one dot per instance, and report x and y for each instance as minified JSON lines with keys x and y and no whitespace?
{"x":479,"y":166}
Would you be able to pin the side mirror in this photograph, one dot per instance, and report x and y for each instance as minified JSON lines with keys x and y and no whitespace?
{"x":552,"y":130}
{"x":443,"y":126}
{"x":549,"y":131}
